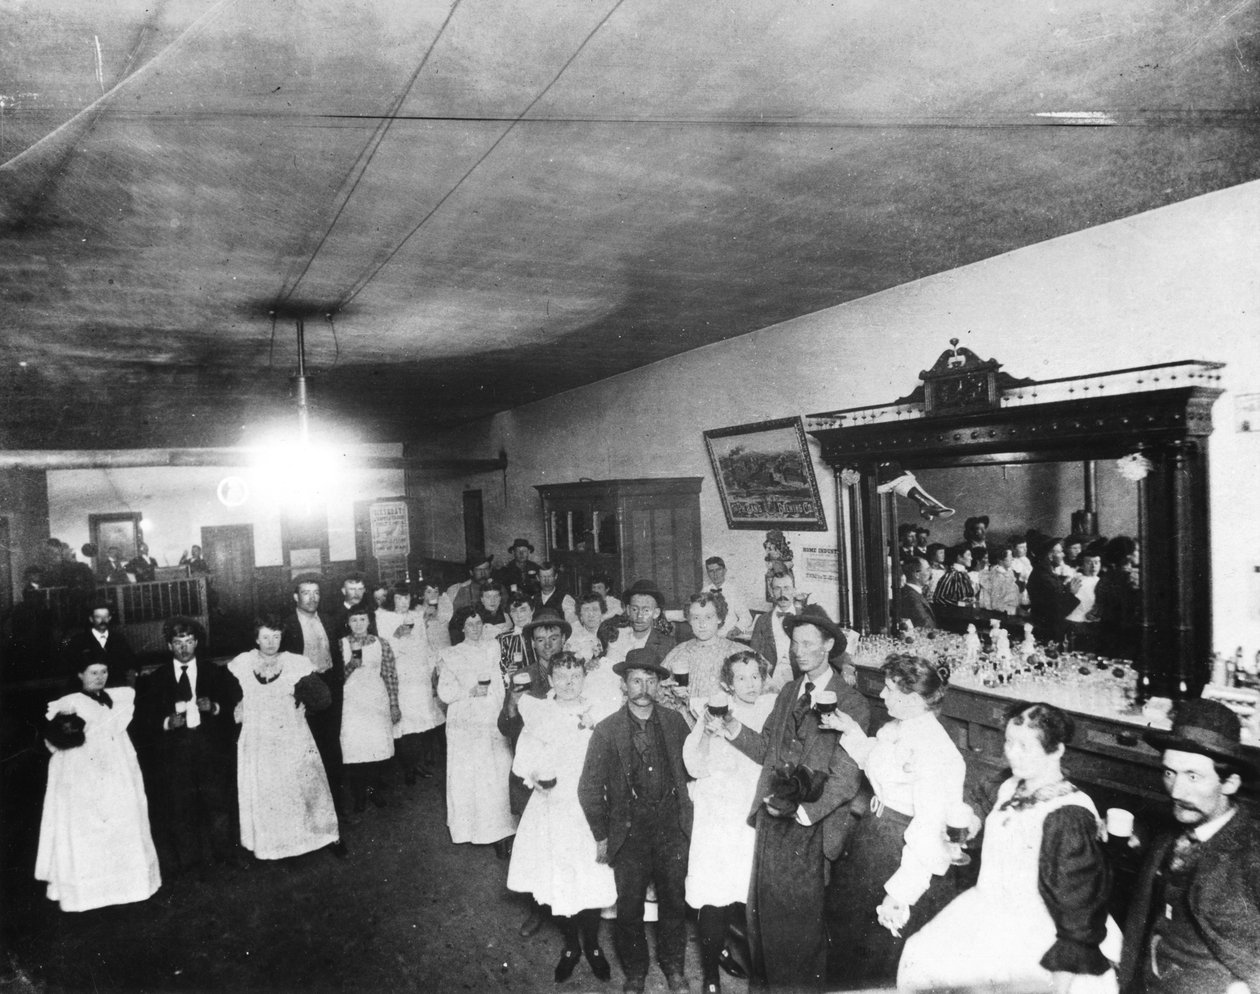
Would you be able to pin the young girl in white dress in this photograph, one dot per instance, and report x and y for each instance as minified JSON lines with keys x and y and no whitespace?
{"x":554,"y":855}
{"x":721,"y":857}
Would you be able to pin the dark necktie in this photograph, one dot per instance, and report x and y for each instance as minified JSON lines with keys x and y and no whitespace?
{"x":185,"y":685}
{"x":1182,"y":851}
{"x":803,"y":704}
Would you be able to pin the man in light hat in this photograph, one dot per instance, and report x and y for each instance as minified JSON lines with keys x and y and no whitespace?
{"x":633,"y":791}
{"x":1194,"y":923}
{"x":520,"y":575}
{"x":786,"y":934}
{"x":468,"y":593}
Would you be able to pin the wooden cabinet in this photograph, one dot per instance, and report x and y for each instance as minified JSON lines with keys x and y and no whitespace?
{"x":627,"y":529}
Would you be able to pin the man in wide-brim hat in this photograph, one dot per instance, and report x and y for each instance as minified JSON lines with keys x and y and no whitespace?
{"x":633,"y":791}
{"x":520,"y":575}
{"x":1194,"y":923}
{"x":786,"y":934}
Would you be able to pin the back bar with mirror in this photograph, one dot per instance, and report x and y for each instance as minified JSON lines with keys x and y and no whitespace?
{"x":1119,"y":452}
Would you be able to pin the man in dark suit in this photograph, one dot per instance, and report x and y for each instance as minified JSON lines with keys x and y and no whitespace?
{"x":1194,"y":923}
{"x":353,"y":591}
{"x":112,"y":570}
{"x":633,"y":791}
{"x":184,"y":716}
{"x":644,"y":604}
{"x":912,"y":605}
{"x":309,"y":633}
{"x":786,"y":934}
{"x":144,"y":566}
{"x":520,"y":575}
{"x":769,"y":638}
{"x":99,"y":643}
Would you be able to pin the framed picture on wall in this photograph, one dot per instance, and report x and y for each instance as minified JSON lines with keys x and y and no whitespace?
{"x":765,"y":476}
{"x":121,"y":529}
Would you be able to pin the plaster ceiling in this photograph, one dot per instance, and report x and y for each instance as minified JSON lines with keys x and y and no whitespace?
{"x":496,"y":201}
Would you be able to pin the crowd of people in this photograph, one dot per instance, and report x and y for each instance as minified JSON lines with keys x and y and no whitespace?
{"x":1083,"y":590}
{"x":622,"y":775}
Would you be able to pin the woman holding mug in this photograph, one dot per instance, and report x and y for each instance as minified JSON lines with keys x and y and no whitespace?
{"x":891,"y":878}
{"x":369,"y":710}
{"x":1037,"y":917}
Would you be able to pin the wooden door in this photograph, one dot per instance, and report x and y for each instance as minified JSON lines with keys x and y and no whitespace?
{"x":662,"y":543}
{"x":474,"y":526}
{"x":229,"y":550}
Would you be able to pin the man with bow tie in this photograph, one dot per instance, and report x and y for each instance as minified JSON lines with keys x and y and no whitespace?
{"x":738,"y":618}
{"x":184,"y":718}
{"x":795,"y":839}
{"x":1194,"y":923}
{"x":769,"y":637}
{"x":99,"y":642}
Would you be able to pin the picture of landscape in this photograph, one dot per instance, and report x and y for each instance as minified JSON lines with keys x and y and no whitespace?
{"x":765,"y":476}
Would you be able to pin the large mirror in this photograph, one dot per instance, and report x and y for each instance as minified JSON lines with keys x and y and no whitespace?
{"x":1119,"y":456}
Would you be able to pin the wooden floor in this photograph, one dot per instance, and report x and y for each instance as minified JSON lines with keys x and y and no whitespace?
{"x":408,"y":911}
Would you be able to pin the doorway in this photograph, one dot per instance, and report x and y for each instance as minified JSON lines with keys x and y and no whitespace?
{"x":229,"y":550}
{"x":474,"y":526}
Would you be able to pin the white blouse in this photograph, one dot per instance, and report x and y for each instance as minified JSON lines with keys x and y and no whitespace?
{"x":915,"y":768}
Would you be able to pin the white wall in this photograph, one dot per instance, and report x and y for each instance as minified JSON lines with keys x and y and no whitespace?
{"x":177,"y":502}
{"x":1176,"y":283}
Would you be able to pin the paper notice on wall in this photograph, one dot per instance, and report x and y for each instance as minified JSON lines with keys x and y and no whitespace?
{"x":1247,"y":412}
{"x":390,"y":535}
{"x":821,"y":565}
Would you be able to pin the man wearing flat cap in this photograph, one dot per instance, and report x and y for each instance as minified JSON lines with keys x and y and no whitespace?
{"x":786,"y":935}
{"x":468,"y":593}
{"x":520,"y":575}
{"x":1194,"y":924}
{"x":633,"y":791}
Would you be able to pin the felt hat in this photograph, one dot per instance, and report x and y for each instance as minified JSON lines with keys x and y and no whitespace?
{"x":1208,"y":728}
{"x":520,"y":543}
{"x":479,"y":561}
{"x":641,"y":659}
{"x":814,"y":614}
{"x":546,"y":618}
{"x":979,"y":519}
{"x":645,"y":588}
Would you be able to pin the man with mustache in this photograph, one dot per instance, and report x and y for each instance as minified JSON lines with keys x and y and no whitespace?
{"x":769,"y":638}
{"x":633,"y":792}
{"x":1194,"y":924}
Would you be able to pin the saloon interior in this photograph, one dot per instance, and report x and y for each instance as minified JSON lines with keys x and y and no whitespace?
{"x":266,"y":268}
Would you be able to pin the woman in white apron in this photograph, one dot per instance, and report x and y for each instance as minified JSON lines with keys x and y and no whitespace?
{"x":369,"y":710}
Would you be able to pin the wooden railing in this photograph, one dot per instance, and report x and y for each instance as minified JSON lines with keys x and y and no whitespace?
{"x":140,"y":609}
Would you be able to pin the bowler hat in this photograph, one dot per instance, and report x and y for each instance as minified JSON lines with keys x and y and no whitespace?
{"x":476,"y":561}
{"x":645,"y":588}
{"x":519,"y":543}
{"x":548,"y":617}
{"x":641,"y":659}
{"x":1205,"y":727}
{"x":979,"y":519}
{"x":814,"y":614}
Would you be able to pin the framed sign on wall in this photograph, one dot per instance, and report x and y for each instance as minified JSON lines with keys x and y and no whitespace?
{"x":765,"y":476}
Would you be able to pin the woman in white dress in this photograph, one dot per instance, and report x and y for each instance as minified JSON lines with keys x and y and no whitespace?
{"x":892,"y":877}
{"x":1037,"y":917}
{"x":584,"y":642}
{"x":554,"y":855}
{"x":725,"y":784}
{"x":478,"y":759}
{"x":95,"y":848}
{"x":285,"y":803}
{"x":369,"y":709}
{"x":422,"y":716}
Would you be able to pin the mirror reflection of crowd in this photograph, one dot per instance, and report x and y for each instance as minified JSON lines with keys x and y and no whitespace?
{"x":623,"y":774}
{"x":1084,"y":591}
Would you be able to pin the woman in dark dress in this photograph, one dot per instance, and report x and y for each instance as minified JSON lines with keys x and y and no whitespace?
{"x":1037,"y":918}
